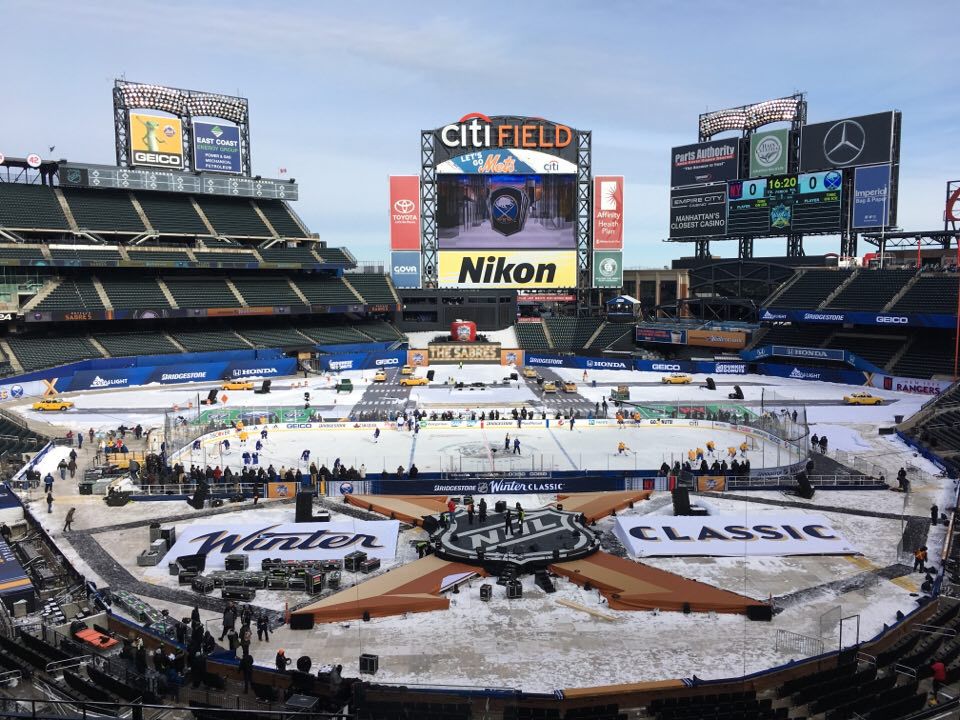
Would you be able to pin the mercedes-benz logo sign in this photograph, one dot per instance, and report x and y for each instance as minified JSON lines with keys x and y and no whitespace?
{"x":404,"y":207}
{"x":844,"y":142}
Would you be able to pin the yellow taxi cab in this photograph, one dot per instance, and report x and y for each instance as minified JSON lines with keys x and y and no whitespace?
{"x":529,"y":372}
{"x":676,"y":379}
{"x":549,"y":387}
{"x":237,"y":385}
{"x":406,"y":370}
{"x":380,"y":376}
{"x":862,"y":398}
{"x":52,"y":404}
{"x":413,"y":381}
{"x":569,"y":387}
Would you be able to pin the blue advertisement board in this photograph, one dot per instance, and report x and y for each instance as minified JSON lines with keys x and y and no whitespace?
{"x":405,"y":269}
{"x":216,"y":148}
{"x":849,"y":317}
{"x":871,"y":196}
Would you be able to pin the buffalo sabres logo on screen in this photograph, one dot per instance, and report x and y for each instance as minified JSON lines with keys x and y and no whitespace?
{"x":508,"y":210}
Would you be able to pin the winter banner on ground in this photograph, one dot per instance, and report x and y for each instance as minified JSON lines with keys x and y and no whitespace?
{"x":731,"y":535}
{"x":287,"y":541}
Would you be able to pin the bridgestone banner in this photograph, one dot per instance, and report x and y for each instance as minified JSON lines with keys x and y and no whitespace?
{"x":760,"y":533}
{"x":287,"y":541}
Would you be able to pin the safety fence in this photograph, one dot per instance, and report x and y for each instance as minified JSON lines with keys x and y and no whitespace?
{"x":788,"y":641}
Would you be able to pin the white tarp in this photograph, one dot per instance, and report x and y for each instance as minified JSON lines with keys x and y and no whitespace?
{"x":767,"y":533}
{"x":288,"y":541}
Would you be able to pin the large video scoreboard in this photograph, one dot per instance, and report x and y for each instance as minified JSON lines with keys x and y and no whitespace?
{"x":783,"y":204}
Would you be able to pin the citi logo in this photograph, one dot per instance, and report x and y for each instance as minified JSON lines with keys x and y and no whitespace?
{"x":889,"y":320}
{"x":665,"y":366}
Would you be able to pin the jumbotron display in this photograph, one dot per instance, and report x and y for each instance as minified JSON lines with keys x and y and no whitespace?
{"x":797,"y":203}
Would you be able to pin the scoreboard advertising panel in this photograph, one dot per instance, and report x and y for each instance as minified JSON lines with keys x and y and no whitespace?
{"x":698,"y":211}
{"x":216,"y":148}
{"x":871,"y":196}
{"x":703,"y":163}
{"x":405,"y":212}
{"x":156,"y":141}
{"x":862,"y":140}
{"x":783,"y":204}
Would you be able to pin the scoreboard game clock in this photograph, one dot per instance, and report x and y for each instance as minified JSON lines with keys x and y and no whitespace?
{"x":785,"y":204}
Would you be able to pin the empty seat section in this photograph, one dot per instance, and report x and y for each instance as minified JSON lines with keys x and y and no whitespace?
{"x":334,"y":334}
{"x":266,"y":291}
{"x":936,"y":294}
{"x":225,"y":258}
{"x":610,"y":334}
{"x":373,"y":288}
{"x":796,"y":335}
{"x":275,"y":337}
{"x":172,"y":214}
{"x":381,"y":331}
{"x":328,"y":291}
{"x":178,"y":256}
{"x":531,"y":336}
{"x":871,"y":289}
{"x":200,"y":292}
{"x":103,"y":210}
{"x":877,"y":350}
{"x":234,"y":217}
{"x":810,"y":289}
{"x":134,"y":294}
{"x":571,"y":333}
{"x":35,"y":353}
{"x":140,"y":343}
{"x":931,"y":353}
{"x":84,"y":255}
{"x":27,"y":207}
{"x":277,"y":212}
{"x":299,"y":255}
{"x":71,"y":295}
{"x":209,"y":340}
{"x":332,"y":255}
{"x":20,"y":252}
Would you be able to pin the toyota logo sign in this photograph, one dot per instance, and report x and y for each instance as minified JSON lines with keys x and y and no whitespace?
{"x":403,"y":206}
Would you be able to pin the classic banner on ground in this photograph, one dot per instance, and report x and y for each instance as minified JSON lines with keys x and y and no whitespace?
{"x":760,"y":533}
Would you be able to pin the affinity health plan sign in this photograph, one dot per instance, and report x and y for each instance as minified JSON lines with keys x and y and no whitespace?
{"x":730,"y":535}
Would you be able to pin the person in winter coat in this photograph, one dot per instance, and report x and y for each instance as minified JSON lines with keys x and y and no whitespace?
{"x":282,"y":661}
{"x":70,"y":513}
{"x":49,"y":502}
{"x":263,"y":627}
{"x":939,"y":671}
{"x":48,"y":482}
{"x":246,"y":669}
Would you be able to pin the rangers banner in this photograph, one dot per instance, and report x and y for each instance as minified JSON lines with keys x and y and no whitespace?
{"x":404,"y":212}
{"x":608,"y":212}
{"x":760,"y":533}
{"x":287,"y":541}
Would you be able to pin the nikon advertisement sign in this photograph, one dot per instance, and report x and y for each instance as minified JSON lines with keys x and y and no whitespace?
{"x":464,"y":352}
{"x":508,"y":269}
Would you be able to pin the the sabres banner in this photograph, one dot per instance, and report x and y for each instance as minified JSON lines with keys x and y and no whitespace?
{"x":732,"y":535}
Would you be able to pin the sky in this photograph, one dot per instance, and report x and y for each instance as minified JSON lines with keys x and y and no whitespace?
{"x":340,"y":91}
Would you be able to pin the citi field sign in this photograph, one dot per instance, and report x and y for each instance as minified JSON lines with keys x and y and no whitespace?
{"x":476,"y":131}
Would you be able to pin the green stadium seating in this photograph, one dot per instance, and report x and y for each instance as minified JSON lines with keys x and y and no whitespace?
{"x":21,"y":252}
{"x":35,"y":353}
{"x":333,"y":334}
{"x":87,"y":255}
{"x":140,"y":343}
{"x":71,"y":295}
{"x":103,"y":210}
{"x":374,"y":288}
{"x":225,"y":258}
{"x":261,"y":291}
{"x":532,"y":337}
{"x":301,"y":255}
{"x":30,"y":207}
{"x":332,"y":255}
{"x":209,"y":340}
{"x":275,"y":337}
{"x":232,"y":216}
{"x":276,"y":212}
{"x":134,"y":294}
{"x":171,"y":214}
{"x":327,"y":291}
{"x":178,"y":256}
{"x":200,"y":292}
{"x":380,"y":331}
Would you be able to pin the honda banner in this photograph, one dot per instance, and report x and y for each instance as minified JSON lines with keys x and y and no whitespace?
{"x":404,"y":212}
{"x":755,"y":533}
{"x":608,"y":212}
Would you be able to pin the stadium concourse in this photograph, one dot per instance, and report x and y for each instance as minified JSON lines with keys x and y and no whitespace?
{"x":501,"y":642}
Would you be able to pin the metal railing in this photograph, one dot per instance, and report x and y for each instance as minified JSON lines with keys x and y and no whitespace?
{"x":41,"y":709}
{"x":191,"y":487}
{"x":795,"y":642}
{"x":790,"y":481}
{"x":58,"y":665}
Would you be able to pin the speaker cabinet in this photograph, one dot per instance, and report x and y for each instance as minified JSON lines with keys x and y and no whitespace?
{"x":369,"y":664}
{"x":760,"y":612}
{"x":804,"y":488}
{"x":304,"y":507}
{"x":681,"y":501}
{"x":301,"y":622}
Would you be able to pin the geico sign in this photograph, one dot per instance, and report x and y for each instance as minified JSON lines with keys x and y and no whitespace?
{"x":405,"y":269}
{"x":665,"y":366}
{"x":149,"y":158}
{"x":387,"y":361}
{"x":886,"y":319}
{"x":476,"y":130}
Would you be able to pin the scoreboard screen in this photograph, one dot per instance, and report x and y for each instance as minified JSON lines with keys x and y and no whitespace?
{"x":785,"y":204}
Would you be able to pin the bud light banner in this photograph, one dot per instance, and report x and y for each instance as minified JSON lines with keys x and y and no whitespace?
{"x":405,"y":269}
{"x":871,"y":196}
{"x":216,"y":148}
{"x":404,"y":212}
{"x":287,"y":541}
